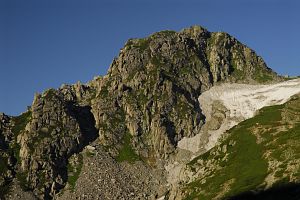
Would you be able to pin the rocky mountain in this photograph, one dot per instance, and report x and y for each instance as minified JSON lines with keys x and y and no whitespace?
{"x":120,"y":136}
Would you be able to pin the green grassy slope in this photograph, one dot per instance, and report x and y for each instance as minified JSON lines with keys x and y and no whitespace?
{"x":257,"y":154}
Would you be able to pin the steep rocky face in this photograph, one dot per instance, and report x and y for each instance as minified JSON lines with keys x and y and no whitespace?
{"x":139,"y":111}
{"x":56,"y":129}
{"x":152,"y":88}
{"x":6,"y":156}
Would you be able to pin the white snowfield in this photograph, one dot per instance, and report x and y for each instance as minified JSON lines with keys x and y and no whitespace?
{"x":242,"y":101}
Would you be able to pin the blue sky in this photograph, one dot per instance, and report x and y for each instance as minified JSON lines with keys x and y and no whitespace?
{"x":47,"y":43}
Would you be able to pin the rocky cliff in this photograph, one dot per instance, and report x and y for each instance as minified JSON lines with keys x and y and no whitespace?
{"x":152,"y":88}
{"x":137,"y":113}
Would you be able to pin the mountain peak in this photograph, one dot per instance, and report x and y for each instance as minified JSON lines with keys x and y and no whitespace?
{"x":137,"y":114}
{"x":195,"y":29}
{"x":193,"y":50}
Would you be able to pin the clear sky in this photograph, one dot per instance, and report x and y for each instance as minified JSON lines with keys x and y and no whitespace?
{"x":47,"y":43}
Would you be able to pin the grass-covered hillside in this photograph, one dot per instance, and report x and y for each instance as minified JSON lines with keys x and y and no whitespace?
{"x":259,"y":155}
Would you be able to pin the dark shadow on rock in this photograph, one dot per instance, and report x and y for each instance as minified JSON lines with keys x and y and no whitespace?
{"x":170,"y":129}
{"x":289,"y":191}
{"x":86,"y":121}
{"x":3,"y":144}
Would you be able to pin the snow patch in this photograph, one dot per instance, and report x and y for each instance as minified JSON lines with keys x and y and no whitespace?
{"x":242,"y":102}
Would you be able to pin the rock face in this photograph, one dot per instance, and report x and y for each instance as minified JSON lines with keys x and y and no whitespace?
{"x":6,"y":157}
{"x":139,"y":111}
{"x":153,"y":86}
{"x":58,"y":127}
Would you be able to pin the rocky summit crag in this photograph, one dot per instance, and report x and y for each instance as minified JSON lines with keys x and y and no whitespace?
{"x":113,"y":137}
